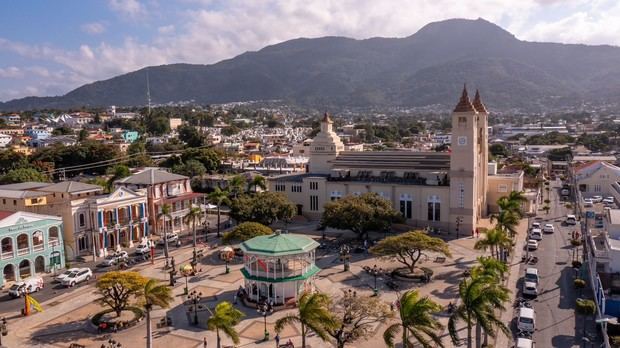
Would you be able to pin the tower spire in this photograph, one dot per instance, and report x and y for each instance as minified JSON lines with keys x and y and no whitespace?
{"x":326,"y":118}
{"x":478,"y":105}
{"x":464,"y":104}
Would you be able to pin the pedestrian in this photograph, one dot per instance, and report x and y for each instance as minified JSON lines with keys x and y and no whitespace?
{"x":277,"y":338}
{"x":204,"y":343}
{"x":477,"y":233}
{"x":235,"y":299}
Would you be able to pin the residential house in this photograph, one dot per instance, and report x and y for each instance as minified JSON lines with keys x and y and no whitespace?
{"x":596,"y":179}
{"x":5,"y":140}
{"x":164,"y":188}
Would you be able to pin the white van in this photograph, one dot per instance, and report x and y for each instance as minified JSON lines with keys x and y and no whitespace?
{"x":526,"y":320}
{"x":32,"y":284}
{"x":524,"y":343}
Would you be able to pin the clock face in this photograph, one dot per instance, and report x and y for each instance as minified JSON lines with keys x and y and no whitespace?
{"x":462,"y":140}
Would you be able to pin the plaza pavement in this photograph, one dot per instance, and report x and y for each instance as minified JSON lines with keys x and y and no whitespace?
{"x":64,"y":320}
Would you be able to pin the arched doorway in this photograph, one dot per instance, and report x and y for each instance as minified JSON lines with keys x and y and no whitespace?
{"x":136,"y":233}
{"x":39,"y":264}
{"x":8,"y":273}
{"x":111,"y":240}
{"x":24,"y":269}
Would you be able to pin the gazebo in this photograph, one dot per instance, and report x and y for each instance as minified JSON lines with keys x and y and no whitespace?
{"x":278,"y":267}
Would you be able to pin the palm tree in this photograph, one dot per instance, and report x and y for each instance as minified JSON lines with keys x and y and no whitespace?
{"x":154,"y":294}
{"x":193,"y":216}
{"x":258,"y":182}
{"x":224,"y":318}
{"x":506,"y":220}
{"x":164,"y":214}
{"x":313,"y":314}
{"x":495,"y":240}
{"x":480,"y":297}
{"x":416,"y":319}
{"x":237,"y":184}
{"x":219,"y":197}
{"x":488,"y":266}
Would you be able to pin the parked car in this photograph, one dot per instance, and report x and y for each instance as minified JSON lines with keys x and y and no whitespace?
{"x":523,"y":342}
{"x":530,"y":288}
{"x":32,"y":284}
{"x":63,"y":275}
{"x":597,"y":199}
{"x":532,"y":244}
{"x":548,"y":228}
{"x":142,"y":249}
{"x":588,"y":202}
{"x":535,"y":225}
{"x":526,"y":320}
{"x":114,"y":259}
{"x":565,"y":192}
{"x":609,"y":201}
{"x":172,"y":238}
{"x":531,"y":275}
{"x":84,"y":274}
{"x":536,"y":234}
{"x":571,"y":219}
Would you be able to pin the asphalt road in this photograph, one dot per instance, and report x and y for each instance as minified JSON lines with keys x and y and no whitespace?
{"x":554,"y":307}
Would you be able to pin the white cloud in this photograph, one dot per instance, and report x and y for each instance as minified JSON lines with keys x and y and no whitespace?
{"x":11,"y":72}
{"x":128,"y":8}
{"x":93,"y":28}
{"x":167,"y":29}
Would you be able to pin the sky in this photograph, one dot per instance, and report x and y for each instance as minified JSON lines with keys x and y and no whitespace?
{"x":48,"y":48}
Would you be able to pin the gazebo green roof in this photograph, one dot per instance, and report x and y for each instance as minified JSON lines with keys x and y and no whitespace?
{"x":279,"y":245}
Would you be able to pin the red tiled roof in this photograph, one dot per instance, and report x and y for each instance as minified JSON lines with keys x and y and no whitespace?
{"x":464,"y":104}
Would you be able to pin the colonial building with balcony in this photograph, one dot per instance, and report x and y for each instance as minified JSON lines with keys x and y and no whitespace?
{"x":164,"y":188}
{"x":119,"y":219}
{"x":30,"y":244}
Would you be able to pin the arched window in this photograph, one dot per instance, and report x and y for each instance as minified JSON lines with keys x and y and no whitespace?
{"x":54,"y":236}
{"x":37,"y":241}
{"x":82,"y":219}
{"x":9,"y":273}
{"x":7,"y":248}
{"x":23,"y":244}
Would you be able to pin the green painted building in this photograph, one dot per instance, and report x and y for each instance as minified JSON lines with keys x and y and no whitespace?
{"x":279,"y":267}
{"x":31,"y":244}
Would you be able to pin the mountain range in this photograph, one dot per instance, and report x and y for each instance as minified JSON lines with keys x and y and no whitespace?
{"x":426,"y":68}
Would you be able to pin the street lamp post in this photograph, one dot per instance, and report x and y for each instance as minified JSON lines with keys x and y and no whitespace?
{"x":4,"y":330}
{"x":376,"y":271}
{"x":345,"y":254}
{"x":172,"y":272}
{"x":264,"y":310}
{"x":195,"y":297}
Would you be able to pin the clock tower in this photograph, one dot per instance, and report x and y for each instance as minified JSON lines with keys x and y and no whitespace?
{"x":465,"y":167}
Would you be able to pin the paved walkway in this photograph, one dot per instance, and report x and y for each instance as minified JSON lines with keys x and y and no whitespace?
{"x":64,"y":320}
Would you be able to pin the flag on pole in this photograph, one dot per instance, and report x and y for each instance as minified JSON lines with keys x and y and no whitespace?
{"x":33,"y":303}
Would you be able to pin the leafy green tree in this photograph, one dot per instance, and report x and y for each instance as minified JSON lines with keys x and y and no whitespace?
{"x":230,"y":130}
{"x":407,"y":248}
{"x":507,"y":221}
{"x":357,"y":317}
{"x":312,"y":314}
{"x":18,"y":175}
{"x":12,"y":160}
{"x":245,"y":231}
{"x":158,"y":125}
{"x":481,"y":298}
{"x":154,"y":294}
{"x":417,"y":320}
{"x":193,"y":216}
{"x":190,"y":136}
{"x":219,"y":198}
{"x":498,"y":150}
{"x":139,"y":155}
{"x":117,"y":289}
{"x":360,"y":214}
{"x":489,"y":266}
{"x":237,"y":185}
{"x":117,"y":172}
{"x":263,"y":207}
{"x":64,"y":130}
{"x":210,"y":159}
{"x":224,"y":318}
{"x":191,"y":168}
{"x":82,"y":135}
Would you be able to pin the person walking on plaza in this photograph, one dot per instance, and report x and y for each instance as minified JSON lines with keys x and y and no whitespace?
{"x":204,"y":343}
{"x":277,"y":338}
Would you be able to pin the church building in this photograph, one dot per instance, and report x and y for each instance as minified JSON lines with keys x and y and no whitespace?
{"x":446,"y":190}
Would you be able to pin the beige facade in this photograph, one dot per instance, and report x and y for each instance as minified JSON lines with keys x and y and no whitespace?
{"x":500,"y":185}
{"x":438,"y":189}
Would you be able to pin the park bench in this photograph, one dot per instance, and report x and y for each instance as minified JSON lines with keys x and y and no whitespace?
{"x":440,"y":259}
